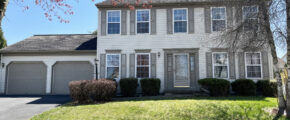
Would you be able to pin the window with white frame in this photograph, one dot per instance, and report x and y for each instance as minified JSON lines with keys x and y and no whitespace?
{"x":143,"y":65}
{"x":250,"y":17}
{"x":253,"y":65}
{"x":143,"y":21}
{"x":113,"y":66}
{"x":114,"y":24}
{"x":220,"y":65}
{"x":180,"y":20}
{"x":218,"y":17}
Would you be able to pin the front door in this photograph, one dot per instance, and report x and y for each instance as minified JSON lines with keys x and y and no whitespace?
{"x":181,"y":71}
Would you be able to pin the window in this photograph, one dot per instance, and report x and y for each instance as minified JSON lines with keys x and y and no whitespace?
{"x":218,"y":17}
{"x":113,"y":66}
{"x":143,"y":66}
{"x":250,"y":17}
{"x":114,"y":25}
{"x":220,"y":65}
{"x":253,"y":65}
{"x":180,"y":20}
{"x":143,"y":21}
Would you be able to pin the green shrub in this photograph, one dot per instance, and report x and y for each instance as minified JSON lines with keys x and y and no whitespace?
{"x":150,"y":86}
{"x":79,"y":92}
{"x":102,"y":90}
{"x":267,"y":88}
{"x":244,"y":87}
{"x":128,"y":86}
{"x":217,"y":87}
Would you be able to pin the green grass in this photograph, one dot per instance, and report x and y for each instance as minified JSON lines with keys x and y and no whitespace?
{"x":238,"y":108}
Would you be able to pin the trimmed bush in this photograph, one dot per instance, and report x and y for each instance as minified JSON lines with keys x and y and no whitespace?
{"x":128,"y":86}
{"x":244,"y":87}
{"x":102,"y":90}
{"x":216,"y":87}
{"x":79,"y":92}
{"x":150,"y":86}
{"x":267,"y":88}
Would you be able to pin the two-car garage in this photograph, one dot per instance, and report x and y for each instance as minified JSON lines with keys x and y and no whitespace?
{"x":29,"y":78}
{"x":45,"y":64}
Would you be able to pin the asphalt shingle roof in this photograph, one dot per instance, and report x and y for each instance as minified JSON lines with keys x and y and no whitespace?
{"x":55,"y":43}
{"x":109,"y":2}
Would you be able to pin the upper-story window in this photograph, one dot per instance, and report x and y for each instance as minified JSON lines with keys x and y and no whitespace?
{"x":114,"y":24}
{"x":220,"y":65}
{"x":143,"y":21}
{"x":180,"y":20}
{"x":218,"y":17}
{"x":253,"y":65}
{"x":250,"y":17}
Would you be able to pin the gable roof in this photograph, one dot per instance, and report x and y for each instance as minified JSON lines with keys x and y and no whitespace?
{"x":54,"y":43}
{"x":157,"y":2}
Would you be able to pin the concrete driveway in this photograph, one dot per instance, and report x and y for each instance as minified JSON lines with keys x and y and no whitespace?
{"x":23,"y":108}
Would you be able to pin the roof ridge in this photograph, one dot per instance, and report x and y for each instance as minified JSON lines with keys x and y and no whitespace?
{"x":60,"y":34}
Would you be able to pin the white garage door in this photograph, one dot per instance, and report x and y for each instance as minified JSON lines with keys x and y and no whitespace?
{"x":64,"y":72}
{"x":26,"y":78}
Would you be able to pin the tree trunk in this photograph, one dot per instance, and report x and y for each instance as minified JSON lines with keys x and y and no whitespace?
{"x":3,"y":7}
{"x":288,"y":59}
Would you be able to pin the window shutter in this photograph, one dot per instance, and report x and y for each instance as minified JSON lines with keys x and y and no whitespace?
{"x":103,"y":66}
{"x":169,"y":21}
{"x":132,"y":22}
{"x":242,"y":72}
{"x":239,"y":14}
{"x":209,"y":72}
{"x":153,"y":21}
{"x":232,"y":65}
{"x":132,"y":65}
{"x":191,"y":20}
{"x":153,"y":65}
{"x":265,"y":63}
{"x":229,"y":16}
{"x":123,"y":66}
{"x":124,"y":22}
{"x":207,"y":20}
{"x":169,"y":70}
{"x":103,"y":22}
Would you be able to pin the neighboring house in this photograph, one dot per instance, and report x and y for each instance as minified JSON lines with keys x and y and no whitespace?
{"x":174,"y":41}
{"x":44,"y":64}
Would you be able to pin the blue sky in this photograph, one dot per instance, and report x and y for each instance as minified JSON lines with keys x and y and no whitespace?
{"x":19,"y":24}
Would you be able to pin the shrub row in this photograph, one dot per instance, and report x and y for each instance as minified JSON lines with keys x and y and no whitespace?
{"x":150,"y":86}
{"x":84,"y":91}
{"x":242,"y":87}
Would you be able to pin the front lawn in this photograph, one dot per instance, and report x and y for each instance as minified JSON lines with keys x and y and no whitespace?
{"x":238,"y":108}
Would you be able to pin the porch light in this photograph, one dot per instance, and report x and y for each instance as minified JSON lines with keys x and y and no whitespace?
{"x":159,"y":54}
{"x":3,"y":65}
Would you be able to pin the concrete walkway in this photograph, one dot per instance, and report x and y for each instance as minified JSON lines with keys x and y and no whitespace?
{"x":23,"y":108}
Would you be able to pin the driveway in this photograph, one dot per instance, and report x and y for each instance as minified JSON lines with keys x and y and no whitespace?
{"x":23,"y":108}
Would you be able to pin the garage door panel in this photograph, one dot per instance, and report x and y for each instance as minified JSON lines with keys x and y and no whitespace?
{"x":64,"y":72}
{"x":26,"y":78}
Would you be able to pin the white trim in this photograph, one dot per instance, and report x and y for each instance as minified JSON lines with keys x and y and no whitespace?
{"x":107,"y":21}
{"x":261,"y":66}
{"x":180,"y":20}
{"x":136,"y":65}
{"x":113,"y":66}
{"x":149,"y":20}
{"x":219,"y":19}
{"x":174,"y":67}
{"x":213,"y":64}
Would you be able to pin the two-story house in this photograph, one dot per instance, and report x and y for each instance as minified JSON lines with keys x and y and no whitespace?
{"x":175,"y":41}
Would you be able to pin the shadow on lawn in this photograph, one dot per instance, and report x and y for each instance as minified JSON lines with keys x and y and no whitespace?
{"x":158,"y":98}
